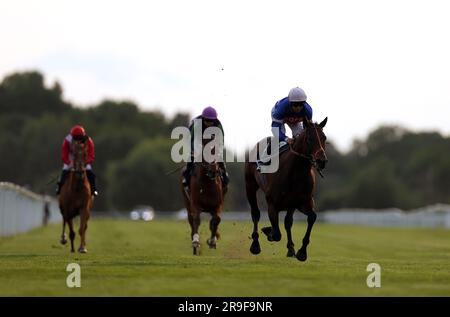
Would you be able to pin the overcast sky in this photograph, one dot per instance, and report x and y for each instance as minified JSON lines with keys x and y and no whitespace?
{"x":361,"y":63}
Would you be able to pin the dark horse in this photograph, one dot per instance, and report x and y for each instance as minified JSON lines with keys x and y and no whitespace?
{"x":75,"y":198}
{"x":205,"y":194}
{"x":290,"y":187}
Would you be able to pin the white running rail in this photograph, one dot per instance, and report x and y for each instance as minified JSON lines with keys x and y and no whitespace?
{"x":22,"y":210}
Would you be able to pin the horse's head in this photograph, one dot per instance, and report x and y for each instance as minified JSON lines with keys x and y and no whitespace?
{"x":311,"y":143}
{"x":211,"y":169}
{"x":79,"y":150}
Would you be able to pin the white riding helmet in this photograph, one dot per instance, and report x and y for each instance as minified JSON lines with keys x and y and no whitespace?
{"x":297,"y":94}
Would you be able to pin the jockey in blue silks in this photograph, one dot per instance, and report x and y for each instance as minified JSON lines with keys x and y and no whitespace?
{"x":290,"y":110}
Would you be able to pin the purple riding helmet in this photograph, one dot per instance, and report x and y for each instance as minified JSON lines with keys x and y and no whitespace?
{"x":209,"y":113}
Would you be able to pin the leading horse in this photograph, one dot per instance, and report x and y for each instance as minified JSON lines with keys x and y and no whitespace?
{"x":75,"y":197}
{"x":291,"y":187}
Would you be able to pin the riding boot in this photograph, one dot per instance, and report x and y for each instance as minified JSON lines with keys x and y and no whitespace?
{"x":61,"y":181}
{"x":225,"y":176}
{"x":187,"y":175}
{"x":91,"y":177}
{"x":264,"y":158}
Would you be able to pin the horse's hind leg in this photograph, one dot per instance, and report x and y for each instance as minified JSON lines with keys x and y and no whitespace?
{"x":213,"y":226}
{"x":63,"y":234}
{"x":251,"y":188}
{"x":301,"y":254}
{"x":288,"y":221}
{"x":273,"y":233}
{"x":71,"y":234}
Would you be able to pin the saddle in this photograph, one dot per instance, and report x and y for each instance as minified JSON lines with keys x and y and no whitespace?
{"x":267,"y":154}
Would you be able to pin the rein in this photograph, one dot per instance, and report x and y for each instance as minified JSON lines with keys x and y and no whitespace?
{"x":309,"y":157}
{"x":78,"y":166}
{"x":209,"y":173}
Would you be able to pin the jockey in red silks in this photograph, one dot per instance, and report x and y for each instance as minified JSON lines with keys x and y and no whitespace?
{"x":77,"y":133}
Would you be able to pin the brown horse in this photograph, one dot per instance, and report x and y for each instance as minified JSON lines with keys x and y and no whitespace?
{"x":290,"y":187}
{"x":75,"y":198}
{"x":206,"y":194}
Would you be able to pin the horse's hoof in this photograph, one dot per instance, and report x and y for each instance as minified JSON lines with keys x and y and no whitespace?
{"x":301,"y":255}
{"x":268,"y":232}
{"x":255,"y":248}
{"x":82,"y":250}
{"x":211,"y":243}
{"x":196,"y":250}
{"x":63,"y":241}
{"x":196,"y":244}
{"x":276,"y":237}
{"x":290,"y":253}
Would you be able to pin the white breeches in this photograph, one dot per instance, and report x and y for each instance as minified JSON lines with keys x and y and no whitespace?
{"x":68,"y":167}
{"x":296,"y":128}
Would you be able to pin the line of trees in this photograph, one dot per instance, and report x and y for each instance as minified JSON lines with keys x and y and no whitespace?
{"x":392,"y":167}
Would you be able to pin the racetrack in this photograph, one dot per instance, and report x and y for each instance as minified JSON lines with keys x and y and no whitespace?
{"x":129,"y":258}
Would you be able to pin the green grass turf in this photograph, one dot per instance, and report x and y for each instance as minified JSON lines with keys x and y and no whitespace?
{"x":155,"y":259}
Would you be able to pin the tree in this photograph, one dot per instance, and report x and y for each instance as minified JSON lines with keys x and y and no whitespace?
{"x":140,"y":179}
{"x":377,"y":187}
{"x":26,"y":93}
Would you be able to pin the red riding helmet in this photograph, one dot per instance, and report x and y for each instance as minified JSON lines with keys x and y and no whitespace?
{"x":77,"y":130}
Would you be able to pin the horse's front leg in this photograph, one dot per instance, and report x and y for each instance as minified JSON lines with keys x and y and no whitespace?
{"x":288,"y":221}
{"x":63,"y":234}
{"x":273,"y":233}
{"x":71,"y":234}
{"x":84,"y":217}
{"x":194,"y":221}
{"x":301,"y":254}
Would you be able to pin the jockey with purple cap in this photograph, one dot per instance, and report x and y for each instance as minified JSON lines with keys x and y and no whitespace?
{"x":209,"y":119}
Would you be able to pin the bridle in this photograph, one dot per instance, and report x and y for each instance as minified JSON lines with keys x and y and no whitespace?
{"x":210,"y":172}
{"x":310,"y":156}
